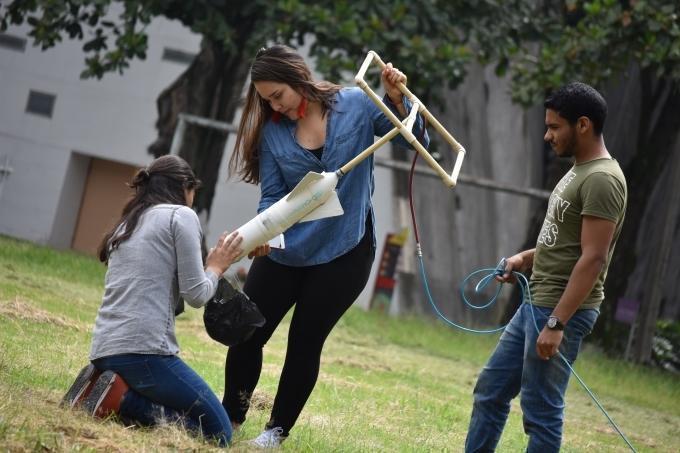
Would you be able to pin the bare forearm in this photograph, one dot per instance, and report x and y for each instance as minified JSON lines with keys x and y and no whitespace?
{"x":527,"y":259}
{"x":581,"y":282}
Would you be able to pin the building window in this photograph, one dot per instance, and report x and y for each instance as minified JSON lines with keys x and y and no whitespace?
{"x":12,"y":42}
{"x":178,"y":56}
{"x":40,"y":103}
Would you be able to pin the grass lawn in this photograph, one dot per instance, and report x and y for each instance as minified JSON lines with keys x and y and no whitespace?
{"x":386,"y":384}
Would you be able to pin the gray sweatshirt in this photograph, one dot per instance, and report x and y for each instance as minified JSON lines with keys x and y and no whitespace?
{"x":147,"y":274}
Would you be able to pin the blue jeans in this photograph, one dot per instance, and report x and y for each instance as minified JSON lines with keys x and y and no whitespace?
{"x":164,"y":388}
{"x":514,"y":367}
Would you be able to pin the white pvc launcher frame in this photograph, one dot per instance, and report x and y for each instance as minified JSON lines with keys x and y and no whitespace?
{"x":405,"y":128}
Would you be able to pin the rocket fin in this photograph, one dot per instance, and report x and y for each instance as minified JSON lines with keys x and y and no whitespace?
{"x":304,"y":182}
{"x":330,"y":208}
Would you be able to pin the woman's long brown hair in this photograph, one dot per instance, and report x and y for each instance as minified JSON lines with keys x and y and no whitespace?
{"x":280,"y":64}
{"x":163,"y":181}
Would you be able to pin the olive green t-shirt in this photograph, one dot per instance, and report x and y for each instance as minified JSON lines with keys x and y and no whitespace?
{"x":595,"y":188}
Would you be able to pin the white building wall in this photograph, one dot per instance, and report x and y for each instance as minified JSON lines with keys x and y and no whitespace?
{"x":28,"y":200}
{"x":112,"y":118}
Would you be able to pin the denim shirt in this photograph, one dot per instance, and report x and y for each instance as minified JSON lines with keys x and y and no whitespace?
{"x":352,"y":124}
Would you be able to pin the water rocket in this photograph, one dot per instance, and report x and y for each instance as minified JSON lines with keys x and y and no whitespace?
{"x":314,"y":197}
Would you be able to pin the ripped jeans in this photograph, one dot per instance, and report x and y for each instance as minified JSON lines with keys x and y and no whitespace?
{"x":164,"y":388}
{"x":515,"y":368}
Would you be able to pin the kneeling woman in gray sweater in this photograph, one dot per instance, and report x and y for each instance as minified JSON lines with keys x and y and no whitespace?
{"x":154,"y":258}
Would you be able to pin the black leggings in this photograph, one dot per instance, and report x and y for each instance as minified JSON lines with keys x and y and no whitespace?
{"x":321,"y":295}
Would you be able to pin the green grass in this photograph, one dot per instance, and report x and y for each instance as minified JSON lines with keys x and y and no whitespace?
{"x":386,"y":384}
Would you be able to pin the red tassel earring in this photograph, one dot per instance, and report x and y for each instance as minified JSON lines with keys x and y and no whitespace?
{"x":302,"y":108}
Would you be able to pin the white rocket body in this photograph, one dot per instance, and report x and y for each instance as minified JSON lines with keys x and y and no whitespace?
{"x":313,"y":198}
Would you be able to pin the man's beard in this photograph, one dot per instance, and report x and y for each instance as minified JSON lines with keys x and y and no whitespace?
{"x":569,"y":147}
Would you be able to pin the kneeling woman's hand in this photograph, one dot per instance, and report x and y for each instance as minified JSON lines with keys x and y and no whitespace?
{"x":224,"y":253}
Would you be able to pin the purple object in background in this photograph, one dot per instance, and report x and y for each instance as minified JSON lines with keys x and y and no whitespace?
{"x":626,"y":310}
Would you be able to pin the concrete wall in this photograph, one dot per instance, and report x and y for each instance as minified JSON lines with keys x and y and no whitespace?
{"x":68,"y":206}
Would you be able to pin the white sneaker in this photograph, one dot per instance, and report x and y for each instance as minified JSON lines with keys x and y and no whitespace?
{"x":271,"y":438}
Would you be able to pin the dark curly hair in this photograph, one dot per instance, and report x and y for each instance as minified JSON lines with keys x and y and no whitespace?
{"x":578,"y":99}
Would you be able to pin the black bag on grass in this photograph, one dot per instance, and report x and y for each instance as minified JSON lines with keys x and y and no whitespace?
{"x":230,"y":317}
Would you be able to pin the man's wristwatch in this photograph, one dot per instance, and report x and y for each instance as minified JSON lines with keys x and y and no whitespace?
{"x":554,"y":323}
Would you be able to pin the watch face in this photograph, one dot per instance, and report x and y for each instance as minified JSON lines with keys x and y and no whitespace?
{"x":552,"y":322}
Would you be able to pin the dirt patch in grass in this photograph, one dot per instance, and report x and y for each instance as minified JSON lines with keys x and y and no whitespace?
{"x":18,"y":309}
{"x":261,"y":401}
{"x":375,"y":365}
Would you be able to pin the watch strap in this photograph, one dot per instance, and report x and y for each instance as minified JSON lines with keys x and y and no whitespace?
{"x":556,"y":325}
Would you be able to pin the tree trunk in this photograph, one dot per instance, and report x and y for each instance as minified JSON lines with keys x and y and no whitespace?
{"x":659,"y":125}
{"x":642,"y":350}
{"x":211,"y":87}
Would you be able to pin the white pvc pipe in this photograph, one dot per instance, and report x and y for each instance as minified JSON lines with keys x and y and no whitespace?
{"x":449,"y":179}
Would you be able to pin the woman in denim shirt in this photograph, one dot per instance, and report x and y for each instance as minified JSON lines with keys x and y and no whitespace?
{"x":291,"y":125}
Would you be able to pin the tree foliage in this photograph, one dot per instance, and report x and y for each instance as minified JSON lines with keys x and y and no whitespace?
{"x":541,"y":44}
{"x":422,"y":36}
{"x":595,"y":41}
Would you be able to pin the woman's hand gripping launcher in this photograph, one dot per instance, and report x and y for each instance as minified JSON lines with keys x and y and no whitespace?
{"x":405,"y":128}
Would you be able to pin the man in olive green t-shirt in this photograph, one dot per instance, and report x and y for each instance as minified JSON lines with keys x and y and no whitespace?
{"x":573,"y":250}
